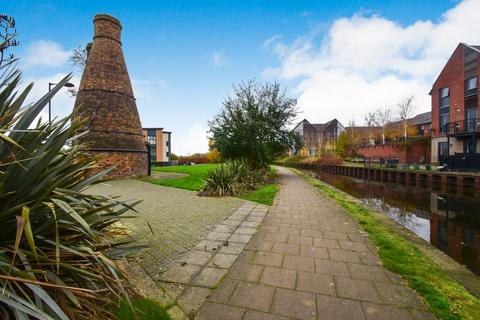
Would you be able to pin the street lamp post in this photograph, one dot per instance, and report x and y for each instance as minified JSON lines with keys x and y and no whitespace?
{"x":50,"y":84}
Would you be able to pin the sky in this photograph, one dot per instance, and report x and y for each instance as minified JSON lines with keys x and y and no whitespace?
{"x":340,"y":59}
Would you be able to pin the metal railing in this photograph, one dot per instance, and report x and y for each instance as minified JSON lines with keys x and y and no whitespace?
{"x":465,"y":126}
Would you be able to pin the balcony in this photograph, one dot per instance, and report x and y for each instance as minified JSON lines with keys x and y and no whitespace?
{"x":463,"y":128}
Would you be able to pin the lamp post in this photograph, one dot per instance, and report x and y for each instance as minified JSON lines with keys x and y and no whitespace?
{"x":50,"y":84}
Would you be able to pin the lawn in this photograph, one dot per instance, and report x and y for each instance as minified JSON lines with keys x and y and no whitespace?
{"x":197,"y":173}
{"x":194,"y":180}
{"x":447,"y":298}
{"x":263,"y":194}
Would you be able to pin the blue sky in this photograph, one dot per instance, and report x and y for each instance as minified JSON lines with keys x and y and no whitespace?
{"x":184,"y":56}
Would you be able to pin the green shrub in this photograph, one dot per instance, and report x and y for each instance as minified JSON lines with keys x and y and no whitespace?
{"x":227,"y":179}
{"x":56,"y":254}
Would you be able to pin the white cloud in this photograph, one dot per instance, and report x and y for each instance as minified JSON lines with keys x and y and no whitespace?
{"x":45,"y":53}
{"x":365,"y":62}
{"x":218,"y":58}
{"x":62,"y":102}
{"x":146,"y":91}
{"x":267,"y":43}
{"x":190,"y":141}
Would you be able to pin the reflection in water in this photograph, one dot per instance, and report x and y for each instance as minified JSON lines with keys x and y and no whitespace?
{"x":450,"y":221}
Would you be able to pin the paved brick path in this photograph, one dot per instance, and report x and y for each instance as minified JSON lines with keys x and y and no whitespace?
{"x":179,"y":219}
{"x":309,"y":260}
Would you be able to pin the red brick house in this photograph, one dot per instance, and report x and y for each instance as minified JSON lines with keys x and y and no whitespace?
{"x":455,"y":123}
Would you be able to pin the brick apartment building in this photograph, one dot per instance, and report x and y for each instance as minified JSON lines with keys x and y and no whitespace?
{"x":160,"y":144}
{"x":455,"y":123}
{"x":318,"y":137}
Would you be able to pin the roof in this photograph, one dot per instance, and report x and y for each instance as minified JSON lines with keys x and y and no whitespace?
{"x":473,"y":47}
{"x":422,"y":118}
{"x":476,"y":48}
{"x":323,"y":126}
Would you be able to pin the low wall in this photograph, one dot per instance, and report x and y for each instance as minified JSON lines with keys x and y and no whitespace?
{"x":417,"y":153}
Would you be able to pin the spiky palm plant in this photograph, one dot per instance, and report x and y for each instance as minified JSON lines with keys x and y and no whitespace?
{"x":57,"y":243}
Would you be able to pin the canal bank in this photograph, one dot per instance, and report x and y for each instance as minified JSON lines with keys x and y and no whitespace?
{"x":441,"y":280}
{"x":419,"y":178}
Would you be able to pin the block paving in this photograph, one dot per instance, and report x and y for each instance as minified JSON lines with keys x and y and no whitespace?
{"x":192,"y":278}
{"x":308,"y":260}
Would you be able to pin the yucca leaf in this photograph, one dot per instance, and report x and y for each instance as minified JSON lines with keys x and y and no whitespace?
{"x":20,"y":306}
{"x":69,"y":211}
{"x":39,"y":292}
{"x":28,"y":231}
{"x":10,"y":140}
{"x":18,"y":237}
{"x":57,"y":236}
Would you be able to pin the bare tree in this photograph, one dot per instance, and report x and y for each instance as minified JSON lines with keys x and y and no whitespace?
{"x":384,"y":117}
{"x":371,"y":121}
{"x":79,"y":57}
{"x":352,"y":126}
{"x":405,"y":110}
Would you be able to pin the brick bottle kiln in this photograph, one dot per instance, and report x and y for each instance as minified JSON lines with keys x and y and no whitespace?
{"x":105,"y":99}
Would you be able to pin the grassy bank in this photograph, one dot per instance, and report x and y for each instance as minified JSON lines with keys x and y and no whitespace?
{"x":197,"y":174}
{"x":446,"y":298}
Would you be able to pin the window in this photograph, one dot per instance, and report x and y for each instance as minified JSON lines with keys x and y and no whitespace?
{"x":444,"y":120}
{"x":445,"y":97}
{"x":443,"y":148}
{"x":471,"y":86}
{"x":152,"y":139}
{"x":444,"y":109}
{"x":471,"y":119}
{"x":153,"y":154}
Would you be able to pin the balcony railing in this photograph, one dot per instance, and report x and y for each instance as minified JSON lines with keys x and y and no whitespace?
{"x":463,"y":127}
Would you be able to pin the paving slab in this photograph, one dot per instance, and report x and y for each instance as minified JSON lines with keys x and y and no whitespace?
{"x":309,"y":260}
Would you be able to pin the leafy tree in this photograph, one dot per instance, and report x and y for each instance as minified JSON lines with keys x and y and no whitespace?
{"x":254,"y":123}
{"x":297,"y":142}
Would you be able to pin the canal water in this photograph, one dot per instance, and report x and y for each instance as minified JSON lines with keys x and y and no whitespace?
{"x":448,"y":219}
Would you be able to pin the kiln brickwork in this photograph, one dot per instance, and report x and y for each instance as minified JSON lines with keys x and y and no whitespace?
{"x":105,"y":100}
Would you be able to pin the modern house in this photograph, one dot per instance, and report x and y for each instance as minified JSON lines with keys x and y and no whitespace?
{"x":455,"y":123}
{"x":160,"y":144}
{"x":318,"y":137}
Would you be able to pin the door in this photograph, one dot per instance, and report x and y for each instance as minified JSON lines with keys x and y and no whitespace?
{"x":442,"y":151}
{"x":469,"y":145}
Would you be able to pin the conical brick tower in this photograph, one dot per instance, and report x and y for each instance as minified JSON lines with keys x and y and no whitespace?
{"x":105,"y":99}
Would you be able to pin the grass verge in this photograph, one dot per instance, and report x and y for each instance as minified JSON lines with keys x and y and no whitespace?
{"x":146,"y":309}
{"x":263,"y":194}
{"x":193,"y":182}
{"x":446,"y":298}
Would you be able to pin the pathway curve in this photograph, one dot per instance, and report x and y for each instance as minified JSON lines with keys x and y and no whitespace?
{"x":310,"y":260}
